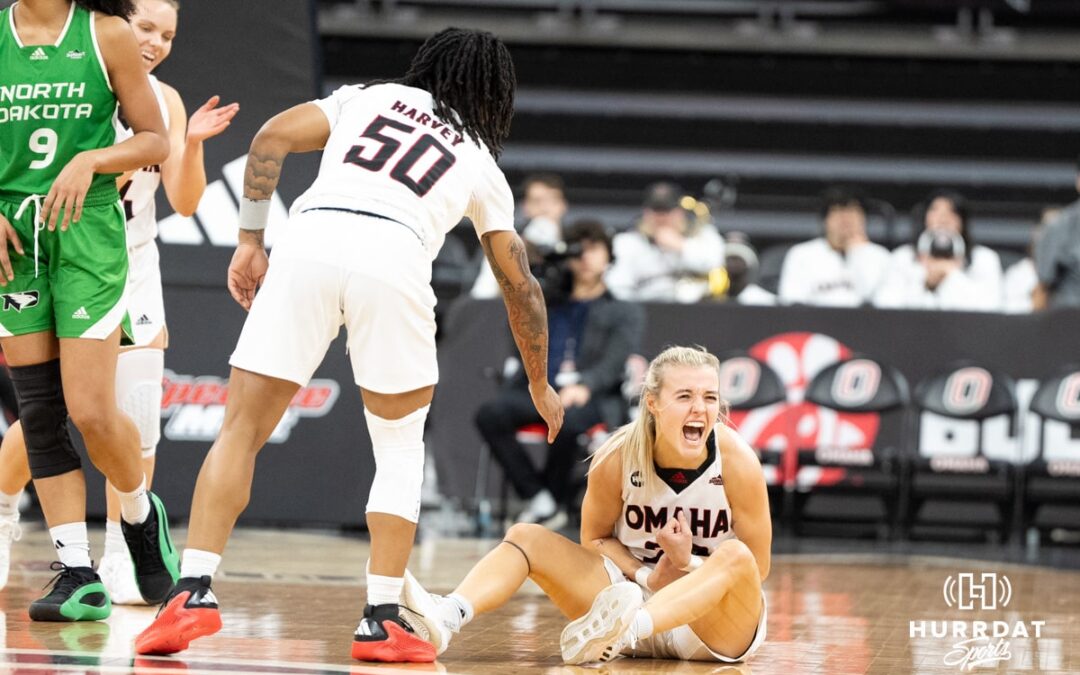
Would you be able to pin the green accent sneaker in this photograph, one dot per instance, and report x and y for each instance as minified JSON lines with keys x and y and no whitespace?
{"x":157,"y":564}
{"x":77,"y":595}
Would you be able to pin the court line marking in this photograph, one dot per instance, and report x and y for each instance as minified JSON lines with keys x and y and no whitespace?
{"x":176,"y":666}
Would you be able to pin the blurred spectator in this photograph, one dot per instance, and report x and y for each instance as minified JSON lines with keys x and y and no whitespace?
{"x":669,"y":257}
{"x":591,"y":336}
{"x":741,"y":268}
{"x":1021,"y":280}
{"x":544,"y":206}
{"x":1057,"y":258}
{"x":943,"y":268}
{"x":842,"y":268}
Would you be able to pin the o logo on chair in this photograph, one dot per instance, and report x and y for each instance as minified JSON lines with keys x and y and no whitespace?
{"x":739,"y":379}
{"x":856,"y":382}
{"x":967,"y":390}
{"x":1068,"y":396}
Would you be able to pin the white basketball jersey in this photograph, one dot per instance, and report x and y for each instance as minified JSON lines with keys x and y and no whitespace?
{"x":389,"y":155}
{"x":138,"y":195}
{"x":700,"y":496}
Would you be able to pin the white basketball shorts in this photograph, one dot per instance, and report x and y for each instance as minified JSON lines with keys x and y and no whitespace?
{"x":333,"y":268}
{"x":146,"y":306}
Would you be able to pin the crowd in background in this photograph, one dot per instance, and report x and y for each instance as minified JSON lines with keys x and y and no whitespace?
{"x":673,"y":254}
{"x":594,"y":279}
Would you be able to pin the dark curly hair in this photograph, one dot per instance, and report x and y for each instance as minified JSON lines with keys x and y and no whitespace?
{"x":471,"y":76}
{"x":121,"y":8}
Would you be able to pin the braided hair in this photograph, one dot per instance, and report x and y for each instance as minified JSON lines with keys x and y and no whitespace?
{"x":470,"y":75}
{"x":121,"y":8}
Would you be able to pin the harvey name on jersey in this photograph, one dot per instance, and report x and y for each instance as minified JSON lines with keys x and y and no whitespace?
{"x":43,"y":101}
{"x":698,"y":493}
{"x":429,"y":121}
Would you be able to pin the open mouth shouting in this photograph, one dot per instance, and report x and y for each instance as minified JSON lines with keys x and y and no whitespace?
{"x":693,"y":432}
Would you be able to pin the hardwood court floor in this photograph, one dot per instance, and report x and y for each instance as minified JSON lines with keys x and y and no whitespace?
{"x":291,"y":601}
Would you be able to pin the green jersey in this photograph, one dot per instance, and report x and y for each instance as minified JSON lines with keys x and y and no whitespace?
{"x":55,"y":102}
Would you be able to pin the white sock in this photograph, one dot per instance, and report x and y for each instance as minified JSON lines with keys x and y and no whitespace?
{"x":457,"y":611}
{"x":195,"y":563}
{"x":115,"y":544}
{"x":135,"y":505}
{"x":72,"y":544}
{"x":384,"y":590}
{"x":9,"y":504}
{"x":642,"y":625}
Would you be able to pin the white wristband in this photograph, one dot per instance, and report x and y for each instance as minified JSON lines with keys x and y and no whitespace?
{"x":695,"y":562}
{"x":642,"y":577}
{"x":254,"y":213}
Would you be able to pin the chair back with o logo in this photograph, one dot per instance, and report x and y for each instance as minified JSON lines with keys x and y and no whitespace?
{"x":1052,"y":476}
{"x":966,"y":446}
{"x":850,"y":471}
{"x":755,"y":396}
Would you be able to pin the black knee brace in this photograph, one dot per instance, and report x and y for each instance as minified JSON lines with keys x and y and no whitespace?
{"x":44,"y":416}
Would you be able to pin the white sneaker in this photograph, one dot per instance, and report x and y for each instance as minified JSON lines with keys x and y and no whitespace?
{"x":604,"y":630}
{"x":9,"y":532}
{"x":541,"y":507}
{"x":118,"y":574}
{"x":424,"y":614}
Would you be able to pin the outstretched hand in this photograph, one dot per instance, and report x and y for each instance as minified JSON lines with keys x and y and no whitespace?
{"x":209,"y":120}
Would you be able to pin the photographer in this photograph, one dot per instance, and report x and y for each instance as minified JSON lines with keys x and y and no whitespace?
{"x":943,"y":269}
{"x":544,"y":206}
{"x":591,"y":336}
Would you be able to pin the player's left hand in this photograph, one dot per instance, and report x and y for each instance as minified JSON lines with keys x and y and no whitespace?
{"x":209,"y":120}
{"x":246,"y":272}
{"x":64,"y":204}
{"x":675,"y":538}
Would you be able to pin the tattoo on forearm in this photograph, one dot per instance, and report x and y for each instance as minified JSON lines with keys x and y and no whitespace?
{"x":262,"y":174}
{"x":524,"y":308}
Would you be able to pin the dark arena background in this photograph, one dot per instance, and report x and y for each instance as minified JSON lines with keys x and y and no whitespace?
{"x":921,"y":451}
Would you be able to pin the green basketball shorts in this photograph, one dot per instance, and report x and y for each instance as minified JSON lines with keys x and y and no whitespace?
{"x":74,"y":282}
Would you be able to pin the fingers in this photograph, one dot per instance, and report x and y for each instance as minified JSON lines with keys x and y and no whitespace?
{"x":47,"y":207}
{"x":211,"y":102}
{"x":554,"y":426}
{"x":79,"y":199}
{"x":13,"y":239}
{"x":683,"y":525}
{"x":5,"y":266}
{"x":240,"y":294}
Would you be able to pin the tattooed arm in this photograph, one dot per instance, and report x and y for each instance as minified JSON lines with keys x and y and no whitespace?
{"x":528,"y":319}
{"x":303,"y":128}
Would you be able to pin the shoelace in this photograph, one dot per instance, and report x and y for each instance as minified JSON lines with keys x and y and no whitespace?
{"x":10,"y":530}
{"x":150,"y":559}
{"x":66,"y":579}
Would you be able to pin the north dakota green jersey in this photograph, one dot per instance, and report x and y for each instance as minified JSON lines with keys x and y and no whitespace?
{"x":55,"y":102}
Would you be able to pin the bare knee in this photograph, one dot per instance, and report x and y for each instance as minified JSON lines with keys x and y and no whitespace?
{"x":735,"y":558}
{"x":93,"y":418}
{"x":528,"y":537}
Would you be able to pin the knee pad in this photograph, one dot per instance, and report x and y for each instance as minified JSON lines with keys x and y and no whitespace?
{"x":138,"y":393}
{"x":399,"y":464}
{"x":44,"y":417}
